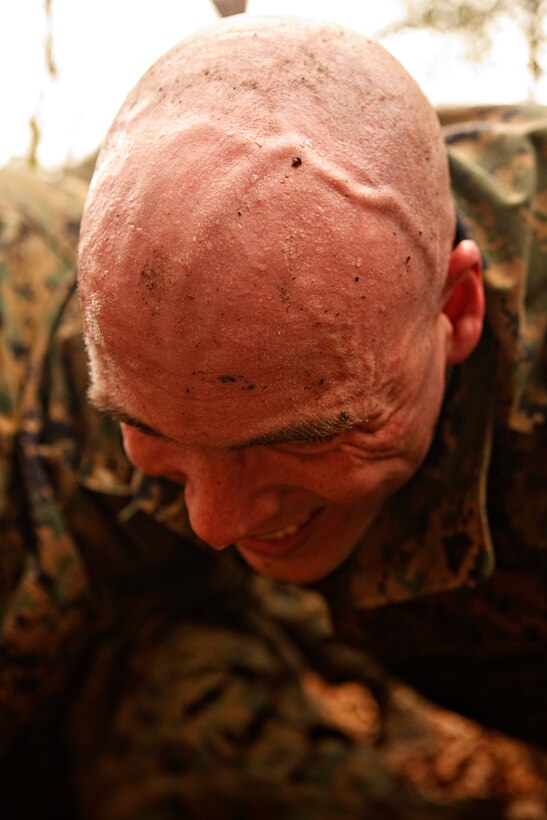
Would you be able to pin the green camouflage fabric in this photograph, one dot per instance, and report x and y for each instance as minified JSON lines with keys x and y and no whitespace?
{"x":143,"y":676}
{"x":449,"y":586}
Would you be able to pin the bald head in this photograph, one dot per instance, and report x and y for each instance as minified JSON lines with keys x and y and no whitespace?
{"x":258,"y":136}
{"x":262,"y":262}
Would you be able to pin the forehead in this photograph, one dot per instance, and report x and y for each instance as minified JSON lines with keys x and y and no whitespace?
{"x":249,"y":363}
{"x":280,"y":290}
{"x":230,"y":398}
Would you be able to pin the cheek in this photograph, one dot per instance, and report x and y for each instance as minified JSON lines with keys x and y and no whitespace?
{"x":373,"y":481}
{"x":347,"y":476}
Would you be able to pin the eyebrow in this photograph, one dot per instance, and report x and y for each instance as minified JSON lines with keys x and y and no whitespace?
{"x":107,"y":408}
{"x":304,"y":431}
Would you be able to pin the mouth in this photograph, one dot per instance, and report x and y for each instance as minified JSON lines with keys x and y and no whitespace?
{"x":282,"y":541}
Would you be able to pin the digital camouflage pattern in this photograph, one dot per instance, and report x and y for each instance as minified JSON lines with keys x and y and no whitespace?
{"x":460,"y":554}
{"x":143,"y":677}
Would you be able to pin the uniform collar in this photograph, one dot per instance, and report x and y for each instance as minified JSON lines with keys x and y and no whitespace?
{"x":433,"y":535}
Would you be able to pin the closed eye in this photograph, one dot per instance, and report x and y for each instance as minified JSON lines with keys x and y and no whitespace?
{"x":308,"y":443}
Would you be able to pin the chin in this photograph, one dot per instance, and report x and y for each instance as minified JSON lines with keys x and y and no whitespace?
{"x":310,"y":567}
{"x":312,"y":553}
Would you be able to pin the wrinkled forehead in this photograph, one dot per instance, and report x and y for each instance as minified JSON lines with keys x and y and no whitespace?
{"x":285,"y":288}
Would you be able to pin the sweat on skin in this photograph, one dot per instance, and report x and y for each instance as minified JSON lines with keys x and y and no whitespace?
{"x":269,"y":293}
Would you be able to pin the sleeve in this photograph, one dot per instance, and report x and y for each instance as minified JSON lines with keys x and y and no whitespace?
{"x":225,"y":717}
{"x":38,"y":235}
{"x":498,"y":162}
{"x":499,"y":178}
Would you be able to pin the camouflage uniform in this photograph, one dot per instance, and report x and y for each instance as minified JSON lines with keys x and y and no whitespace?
{"x":449,"y":587}
{"x":143,"y":677}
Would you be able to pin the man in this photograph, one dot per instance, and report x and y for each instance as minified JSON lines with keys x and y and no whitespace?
{"x":259,"y":207}
{"x":271,"y":300}
{"x":273,"y":304}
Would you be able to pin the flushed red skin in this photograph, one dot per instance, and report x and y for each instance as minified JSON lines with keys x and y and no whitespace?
{"x":231,"y":290}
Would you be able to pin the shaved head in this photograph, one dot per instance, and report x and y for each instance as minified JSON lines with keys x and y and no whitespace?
{"x":264,"y":256}
{"x":263,"y":135}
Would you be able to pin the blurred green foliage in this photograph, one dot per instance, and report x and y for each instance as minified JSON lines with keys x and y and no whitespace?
{"x":475,"y":21}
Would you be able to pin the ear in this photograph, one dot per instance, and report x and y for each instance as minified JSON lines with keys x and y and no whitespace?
{"x":463,"y":300}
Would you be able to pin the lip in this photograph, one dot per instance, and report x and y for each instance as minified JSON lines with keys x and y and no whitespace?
{"x":280,"y":546}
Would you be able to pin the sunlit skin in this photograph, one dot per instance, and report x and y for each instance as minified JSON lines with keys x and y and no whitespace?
{"x":275,"y":337}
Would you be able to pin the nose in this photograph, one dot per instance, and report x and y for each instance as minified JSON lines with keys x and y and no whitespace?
{"x":227,"y":497}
